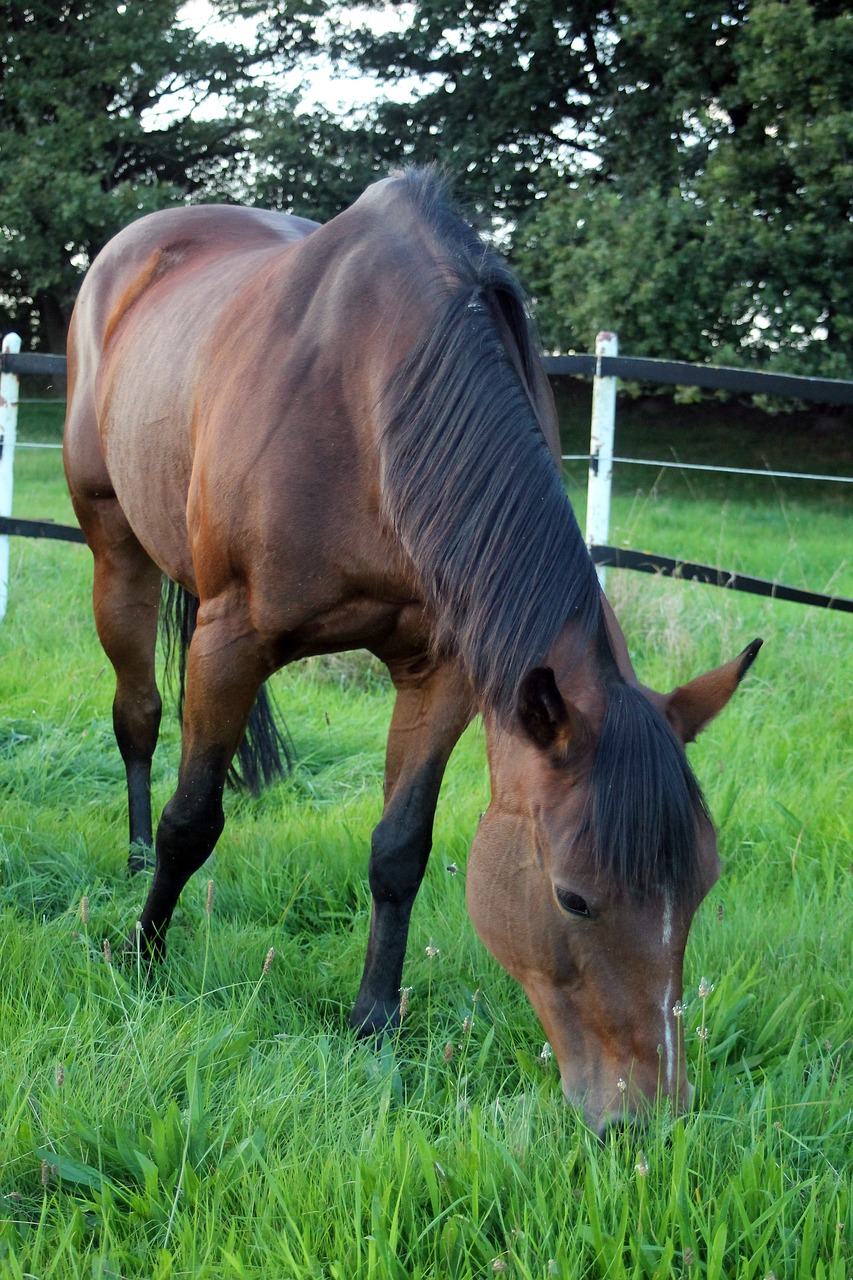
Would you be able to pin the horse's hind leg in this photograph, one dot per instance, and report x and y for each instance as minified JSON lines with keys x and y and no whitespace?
{"x":430,"y":714}
{"x":126,"y":598}
{"x":225,"y":670}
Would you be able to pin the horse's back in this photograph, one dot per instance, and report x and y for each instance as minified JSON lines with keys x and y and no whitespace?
{"x":185,"y":237}
{"x":233,"y":371}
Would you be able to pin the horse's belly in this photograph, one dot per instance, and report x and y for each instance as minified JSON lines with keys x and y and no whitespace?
{"x":390,"y":630}
{"x":325,"y":594}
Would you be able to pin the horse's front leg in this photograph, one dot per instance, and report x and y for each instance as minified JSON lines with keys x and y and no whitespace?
{"x":430,"y":713}
{"x":224,"y":673}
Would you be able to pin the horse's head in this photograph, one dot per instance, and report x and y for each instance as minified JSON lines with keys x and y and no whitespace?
{"x":587,"y":869}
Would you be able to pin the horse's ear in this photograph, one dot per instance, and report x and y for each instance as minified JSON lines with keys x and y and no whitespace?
{"x":690,"y":707}
{"x":551,"y":723}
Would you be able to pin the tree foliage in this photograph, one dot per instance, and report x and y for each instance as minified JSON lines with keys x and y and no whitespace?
{"x":738,"y":243}
{"x":84,"y":149}
{"x":310,"y":163}
{"x":680,"y":174}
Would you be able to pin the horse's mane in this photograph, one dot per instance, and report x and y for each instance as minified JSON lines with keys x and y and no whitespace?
{"x":468,"y":481}
{"x":644,"y":798}
{"x":476,"y":500}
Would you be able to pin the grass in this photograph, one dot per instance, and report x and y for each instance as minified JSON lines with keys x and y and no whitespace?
{"x":221,"y":1121}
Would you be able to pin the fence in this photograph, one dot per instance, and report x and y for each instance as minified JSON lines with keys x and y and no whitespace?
{"x":605,"y":367}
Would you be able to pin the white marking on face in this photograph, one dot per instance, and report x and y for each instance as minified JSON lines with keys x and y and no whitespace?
{"x":666,"y":934}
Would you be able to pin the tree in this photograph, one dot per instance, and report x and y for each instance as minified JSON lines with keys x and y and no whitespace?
{"x":98,"y":114}
{"x":738,"y":241}
{"x":502,"y":89}
{"x":682,"y":174}
{"x":311,"y":163}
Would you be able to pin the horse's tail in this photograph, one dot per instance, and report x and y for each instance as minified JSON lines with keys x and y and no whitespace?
{"x":265,"y":753}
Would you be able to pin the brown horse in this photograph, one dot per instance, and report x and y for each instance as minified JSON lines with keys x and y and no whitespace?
{"x":341,"y":436}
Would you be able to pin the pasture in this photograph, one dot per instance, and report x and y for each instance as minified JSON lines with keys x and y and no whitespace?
{"x":222,"y":1121}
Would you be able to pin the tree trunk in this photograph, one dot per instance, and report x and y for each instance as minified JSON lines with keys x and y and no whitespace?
{"x":52,"y":323}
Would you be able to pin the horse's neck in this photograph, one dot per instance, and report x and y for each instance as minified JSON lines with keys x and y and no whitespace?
{"x":591,"y":664}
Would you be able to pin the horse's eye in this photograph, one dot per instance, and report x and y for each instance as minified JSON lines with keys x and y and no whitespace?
{"x":572,"y":902}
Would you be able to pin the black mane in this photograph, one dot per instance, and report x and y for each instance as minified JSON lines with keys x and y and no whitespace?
{"x":469,"y":483}
{"x":644,"y":799}
{"x":473,"y":493}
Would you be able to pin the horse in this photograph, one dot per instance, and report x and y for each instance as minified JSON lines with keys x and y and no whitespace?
{"x":341,"y":436}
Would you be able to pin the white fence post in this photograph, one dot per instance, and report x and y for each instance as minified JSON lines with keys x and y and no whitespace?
{"x":601,"y":449}
{"x":8,"y":434}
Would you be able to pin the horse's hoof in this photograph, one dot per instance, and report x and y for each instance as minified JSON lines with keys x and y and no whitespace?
{"x":139,"y":859}
{"x":140,"y":949}
{"x":370,"y":1021}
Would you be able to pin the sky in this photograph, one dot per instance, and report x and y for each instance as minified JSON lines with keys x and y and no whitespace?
{"x":324,"y":84}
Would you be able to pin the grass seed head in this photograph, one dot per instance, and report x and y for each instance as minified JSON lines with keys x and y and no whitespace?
{"x":84,"y":909}
{"x":108,"y":951}
{"x":208,"y":906}
{"x":268,"y":961}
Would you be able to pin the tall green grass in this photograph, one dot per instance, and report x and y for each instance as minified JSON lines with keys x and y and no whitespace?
{"x":221,"y":1121}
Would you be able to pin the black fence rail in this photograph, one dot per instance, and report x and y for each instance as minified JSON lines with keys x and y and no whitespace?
{"x":630,"y":368}
{"x":677,"y":373}
{"x":33,"y":362}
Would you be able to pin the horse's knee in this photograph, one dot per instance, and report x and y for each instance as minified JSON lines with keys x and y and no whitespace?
{"x":136,"y":724}
{"x":398,"y":858}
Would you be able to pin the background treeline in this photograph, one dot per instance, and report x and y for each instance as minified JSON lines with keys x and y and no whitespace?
{"x":683,"y":174}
